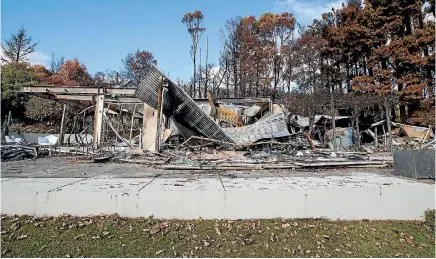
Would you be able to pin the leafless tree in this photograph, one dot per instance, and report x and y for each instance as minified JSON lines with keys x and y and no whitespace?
{"x":229,"y":60}
{"x":193,"y":22}
{"x":56,"y":63}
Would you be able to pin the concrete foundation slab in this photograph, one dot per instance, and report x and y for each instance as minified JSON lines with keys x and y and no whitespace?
{"x":355,"y":196}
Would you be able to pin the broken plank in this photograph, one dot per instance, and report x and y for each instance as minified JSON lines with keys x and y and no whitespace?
{"x":350,"y":163}
{"x":143,"y":161}
{"x":369,"y":166}
{"x":227,"y":167}
{"x":77,"y":90}
{"x":116,"y":133}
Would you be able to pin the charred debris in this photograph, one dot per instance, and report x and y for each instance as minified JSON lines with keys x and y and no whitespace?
{"x":170,"y":130}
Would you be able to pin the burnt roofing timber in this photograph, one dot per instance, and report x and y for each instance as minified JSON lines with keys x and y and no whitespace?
{"x":77,"y":90}
{"x":237,"y":100}
{"x":131,"y":100}
{"x":82,"y":93}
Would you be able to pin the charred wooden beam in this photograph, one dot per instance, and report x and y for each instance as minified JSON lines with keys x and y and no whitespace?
{"x":92,"y":97}
{"x":68,"y":102}
{"x":98,"y":121}
{"x":77,"y":90}
{"x":63,"y":121}
{"x":237,"y":100}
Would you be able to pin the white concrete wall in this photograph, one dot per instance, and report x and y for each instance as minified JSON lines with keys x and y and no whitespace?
{"x":355,"y":197}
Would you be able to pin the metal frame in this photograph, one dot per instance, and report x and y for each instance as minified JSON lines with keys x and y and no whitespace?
{"x":73,"y":95}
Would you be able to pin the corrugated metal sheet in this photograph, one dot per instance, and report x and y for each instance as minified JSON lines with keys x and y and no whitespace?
{"x":252,"y":111}
{"x":179,"y":106}
{"x":304,"y":121}
{"x":269,"y":126}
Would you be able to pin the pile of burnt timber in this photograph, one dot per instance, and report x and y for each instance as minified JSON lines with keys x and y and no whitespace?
{"x":251,"y":159}
{"x":19,"y":152}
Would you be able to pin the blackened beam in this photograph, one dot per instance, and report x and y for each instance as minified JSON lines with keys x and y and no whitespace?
{"x":237,"y":100}
{"x":53,"y":98}
{"x":131,"y":100}
{"x":82,"y":90}
{"x":77,"y":90}
{"x":74,"y":103}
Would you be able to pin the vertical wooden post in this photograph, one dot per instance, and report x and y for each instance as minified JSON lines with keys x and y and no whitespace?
{"x":357,"y":126}
{"x":376,"y":137}
{"x":5,"y":130}
{"x":131,"y":124}
{"x":148,"y":113}
{"x":158,"y":108}
{"x":120,"y":116}
{"x":388,"y":120}
{"x":9,"y":118}
{"x":332,"y":106}
{"x":424,"y":138}
{"x":98,"y":120}
{"x":62,"y":131}
{"x":207,"y":70}
{"x":140,"y":138}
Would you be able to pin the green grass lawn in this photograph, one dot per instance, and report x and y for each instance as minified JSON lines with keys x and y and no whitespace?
{"x":112,"y":236}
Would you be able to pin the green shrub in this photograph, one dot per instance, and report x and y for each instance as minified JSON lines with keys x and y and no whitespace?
{"x":429,"y":217}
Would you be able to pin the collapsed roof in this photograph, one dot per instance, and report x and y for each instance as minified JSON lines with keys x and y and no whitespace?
{"x":180,"y":107}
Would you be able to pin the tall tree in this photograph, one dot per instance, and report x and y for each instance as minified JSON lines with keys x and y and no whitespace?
{"x":52,"y":111}
{"x":232,"y":39}
{"x":277,"y":30}
{"x":308,"y":74}
{"x":13,"y":76}
{"x":357,"y":54}
{"x":71,"y":73}
{"x":194,"y":24}
{"x":41,"y":73}
{"x":251,"y":47}
{"x":100,"y":78}
{"x":56,"y":63}
{"x":399,"y":59}
{"x":137,"y":65}
{"x":18,"y":47}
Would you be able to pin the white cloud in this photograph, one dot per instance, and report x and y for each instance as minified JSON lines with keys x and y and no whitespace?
{"x":306,"y":11}
{"x":35,"y":58}
{"x":214,"y":70}
{"x":39,"y":58}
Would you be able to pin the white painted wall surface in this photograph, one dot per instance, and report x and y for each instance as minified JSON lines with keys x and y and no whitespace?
{"x":359,"y":196}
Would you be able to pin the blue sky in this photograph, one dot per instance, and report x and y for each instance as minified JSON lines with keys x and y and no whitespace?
{"x":100,"y":33}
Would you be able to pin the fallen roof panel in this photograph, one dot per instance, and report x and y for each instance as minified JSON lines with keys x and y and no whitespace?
{"x":269,"y":126}
{"x":179,"y":106}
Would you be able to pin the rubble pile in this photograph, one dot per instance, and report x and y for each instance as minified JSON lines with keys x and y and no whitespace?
{"x":178,"y":132}
{"x":18,"y":152}
{"x":209,"y":158}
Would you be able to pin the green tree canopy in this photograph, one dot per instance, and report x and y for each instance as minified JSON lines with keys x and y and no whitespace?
{"x":15,"y":75}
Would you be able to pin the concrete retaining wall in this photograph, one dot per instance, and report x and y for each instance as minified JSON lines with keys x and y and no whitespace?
{"x":377,"y":199}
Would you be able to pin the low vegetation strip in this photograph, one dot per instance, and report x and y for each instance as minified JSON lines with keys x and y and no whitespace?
{"x":113,"y":236}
